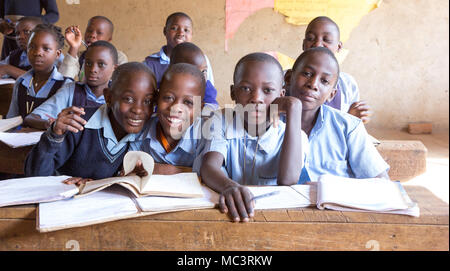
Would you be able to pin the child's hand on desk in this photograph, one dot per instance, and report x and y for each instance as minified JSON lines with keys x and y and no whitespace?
{"x":77,"y":180}
{"x":237,"y":202}
{"x":361,"y":110}
{"x":69,"y":120}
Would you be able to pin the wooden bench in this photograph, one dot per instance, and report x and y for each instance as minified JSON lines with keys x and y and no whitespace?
{"x":407,"y":158}
{"x":291,"y":229}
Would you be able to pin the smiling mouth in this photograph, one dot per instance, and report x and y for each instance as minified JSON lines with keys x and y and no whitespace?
{"x":135,"y":122}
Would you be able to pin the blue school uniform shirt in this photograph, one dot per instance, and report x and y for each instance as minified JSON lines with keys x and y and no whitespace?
{"x":63,"y":99}
{"x":24,"y":62}
{"x":261,"y":156}
{"x":159,"y":62}
{"x":339,"y":145}
{"x":182,"y":155}
{"x":349,"y":91}
{"x":25,"y":80}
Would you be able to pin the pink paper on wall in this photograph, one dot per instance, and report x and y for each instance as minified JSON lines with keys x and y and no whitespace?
{"x":236,"y":11}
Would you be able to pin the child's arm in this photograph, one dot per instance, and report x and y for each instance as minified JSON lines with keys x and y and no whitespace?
{"x":166,"y":169}
{"x":55,"y":147}
{"x":73,"y":37}
{"x":361,"y":110}
{"x":291,"y":155}
{"x":235,"y":199}
{"x":70,"y":66}
{"x":11,"y":71}
{"x":35,"y":121}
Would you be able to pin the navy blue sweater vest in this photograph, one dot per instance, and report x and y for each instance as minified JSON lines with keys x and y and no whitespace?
{"x":14,"y":60}
{"x":80,"y":98}
{"x":83,"y":154}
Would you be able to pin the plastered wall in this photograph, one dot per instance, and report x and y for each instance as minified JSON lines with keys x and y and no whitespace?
{"x":398,"y":53}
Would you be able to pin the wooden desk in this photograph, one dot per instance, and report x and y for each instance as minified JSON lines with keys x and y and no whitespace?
{"x":5,"y":98}
{"x":12,"y":160}
{"x":292,"y":229}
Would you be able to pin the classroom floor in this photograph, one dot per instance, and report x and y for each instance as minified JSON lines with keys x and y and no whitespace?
{"x":436,"y":177}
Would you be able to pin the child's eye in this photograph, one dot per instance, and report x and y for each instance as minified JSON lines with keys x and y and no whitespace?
{"x":167,"y":98}
{"x":244,"y":88}
{"x":148,"y":101}
{"x":187,"y":30}
{"x":128,"y":99}
{"x":268,"y":90}
{"x":101,"y":65}
{"x":325,"y":81}
{"x":88,"y":64}
{"x":188,"y":103}
{"x":307,"y":74}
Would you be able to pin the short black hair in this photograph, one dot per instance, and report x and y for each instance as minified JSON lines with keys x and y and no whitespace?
{"x":184,"y":68}
{"x":258,"y":57}
{"x":99,"y":17}
{"x":322,"y":50}
{"x":32,"y":19}
{"x":180,"y":52}
{"x":109,"y":46}
{"x":128,"y":68}
{"x":327,"y":19}
{"x":172,"y":16}
{"x":53,"y":30}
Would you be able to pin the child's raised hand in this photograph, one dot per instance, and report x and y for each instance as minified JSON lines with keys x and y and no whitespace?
{"x":237,"y":202}
{"x":69,"y":120}
{"x":77,"y":180}
{"x":361,"y":110}
{"x":286,"y":104}
{"x":73,"y":36}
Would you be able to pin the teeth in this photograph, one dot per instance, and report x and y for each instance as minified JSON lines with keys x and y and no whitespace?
{"x":174,"y":120}
{"x":135,"y":121}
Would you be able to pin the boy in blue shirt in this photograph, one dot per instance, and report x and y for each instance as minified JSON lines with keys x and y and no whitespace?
{"x":178,"y":29}
{"x":245,"y":147}
{"x":338,"y":141}
{"x":43,"y":80}
{"x":91,"y":143}
{"x":101,"y":60}
{"x":172,"y":135}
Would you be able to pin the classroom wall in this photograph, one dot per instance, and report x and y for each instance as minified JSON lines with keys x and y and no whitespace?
{"x":398,"y":54}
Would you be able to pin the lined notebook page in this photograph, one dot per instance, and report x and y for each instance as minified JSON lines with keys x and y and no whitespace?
{"x":34,"y":190}
{"x":179,"y":185}
{"x":110,"y":204}
{"x":161,"y":204}
{"x":286,"y":198}
{"x":17,"y":140}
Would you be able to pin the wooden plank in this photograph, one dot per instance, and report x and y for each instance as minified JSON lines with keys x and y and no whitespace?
{"x":5,"y":98}
{"x":193,"y":235}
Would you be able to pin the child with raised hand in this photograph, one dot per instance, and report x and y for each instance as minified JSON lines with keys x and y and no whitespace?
{"x":100,"y":62}
{"x":188,"y":52}
{"x":98,"y":28}
{"x":174,"y":132}
{"x":16,"y":63}
{"x":178,"y":29}
{"x":245,"y":147}
{"x":324,"y":32}
{"x":91,"y":143}
{"x":43,"y":80}
{"x":338,"y":141}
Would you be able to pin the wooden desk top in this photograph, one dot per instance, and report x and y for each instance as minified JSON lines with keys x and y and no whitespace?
{"x":284,"y":229}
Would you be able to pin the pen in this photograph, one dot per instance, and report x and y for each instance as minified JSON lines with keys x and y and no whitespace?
{"x":82,"y":41}
{"x":266,"y":195}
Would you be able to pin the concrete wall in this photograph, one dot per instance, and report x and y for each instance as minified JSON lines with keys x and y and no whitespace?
{"x":398,"y":53}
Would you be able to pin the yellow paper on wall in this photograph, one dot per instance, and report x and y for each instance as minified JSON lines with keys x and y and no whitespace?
{"x":346,"y":13}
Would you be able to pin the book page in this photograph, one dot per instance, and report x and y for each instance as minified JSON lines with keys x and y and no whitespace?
{"x":178,"y":185}
{"x":161,"y":204}
{"x":375,"y":194}
{"x":97,"y":185}
{"x":7,"y":124}
{"x":308,"y":191}
{"x":16,"y":140}
{"x":286,"y":198}
{"x":109,"y":204}
{"x":34,"y":190}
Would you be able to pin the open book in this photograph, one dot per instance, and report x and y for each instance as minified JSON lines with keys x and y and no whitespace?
{"x":17,"y":140}
{"x":364,"y":195}
{"x":113,"y":203}
{"x":7,"y":124}
{"x":178,"y":185}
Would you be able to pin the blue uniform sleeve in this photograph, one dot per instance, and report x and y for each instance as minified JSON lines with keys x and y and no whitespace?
{"x":51,"y":11}
{"x":49,"y":154}
{"x":364,"y":159}
{"x":54,"y":105}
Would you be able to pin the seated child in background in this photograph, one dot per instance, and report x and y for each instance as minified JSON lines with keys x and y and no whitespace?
{"x":178,"y":29}
{"x":98,"y":28}
{"x":187,"y":52}
{"x":338,"y":141}
{"x":43,"y":80}
{"x":245,"y":147}
{"x":91,"y":143}
{"x":324,"y":32}
{"x":173,"y":133}
{"x":16,"y":63}
{"x":100,"y":62}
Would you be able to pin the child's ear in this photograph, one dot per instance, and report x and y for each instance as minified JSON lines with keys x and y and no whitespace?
{"x":164,"y":30}
{"x":332,"y":94}
{"x":340,"y":45}
{"x":115,"y":66}
{"x":282,"y":92}
{"x":287,"y":81}
{"x":58,"y":53}
{"x":232,"y":94}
